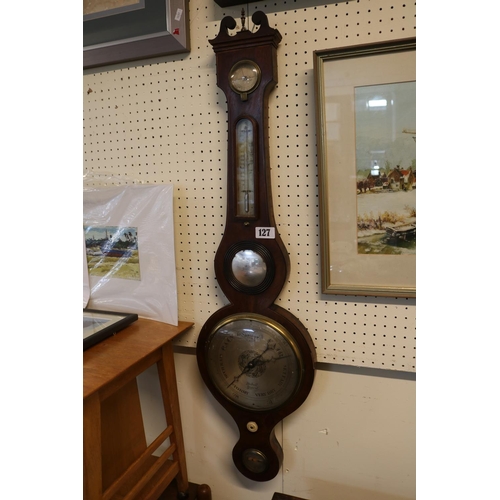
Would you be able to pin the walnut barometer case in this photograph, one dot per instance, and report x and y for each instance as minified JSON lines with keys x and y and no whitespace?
{"x":255,"y":357}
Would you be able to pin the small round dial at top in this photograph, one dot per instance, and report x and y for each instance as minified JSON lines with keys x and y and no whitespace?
{"x":244,"y":77}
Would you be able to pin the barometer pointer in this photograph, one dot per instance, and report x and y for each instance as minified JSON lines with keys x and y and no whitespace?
{"x":256,"y":362}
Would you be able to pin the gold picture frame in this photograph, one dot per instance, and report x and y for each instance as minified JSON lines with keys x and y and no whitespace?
{"x":364,"y":164}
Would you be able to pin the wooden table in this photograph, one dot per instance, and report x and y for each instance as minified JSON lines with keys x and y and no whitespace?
{"x":117,"y":462}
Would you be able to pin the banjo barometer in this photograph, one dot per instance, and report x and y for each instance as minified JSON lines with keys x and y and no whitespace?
{"x":255,"y":357}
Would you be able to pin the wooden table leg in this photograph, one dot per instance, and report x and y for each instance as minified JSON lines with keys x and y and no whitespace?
{"x":123,"y":438}
{"x":92,"y":470}
{"x":168,"y":383}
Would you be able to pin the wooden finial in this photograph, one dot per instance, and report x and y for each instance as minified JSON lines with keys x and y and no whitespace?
{"x":243,"y":28}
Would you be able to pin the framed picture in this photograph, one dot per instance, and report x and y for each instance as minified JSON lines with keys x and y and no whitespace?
{"x":99,"y":325}
{"x":116,"y":31}
{"x":366,"y":133}
{"x":129,"y":250}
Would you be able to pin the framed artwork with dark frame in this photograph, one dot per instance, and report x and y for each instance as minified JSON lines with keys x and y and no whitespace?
{"x":129,"y":30}
{"x":99,"y":325}
{"x":366,"y":133}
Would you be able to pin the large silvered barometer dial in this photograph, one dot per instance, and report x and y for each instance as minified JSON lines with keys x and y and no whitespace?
{"x":254,"y":362}
{"x":255,"y":357}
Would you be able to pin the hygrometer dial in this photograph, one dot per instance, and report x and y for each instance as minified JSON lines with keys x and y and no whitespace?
{"x":244,"y":77}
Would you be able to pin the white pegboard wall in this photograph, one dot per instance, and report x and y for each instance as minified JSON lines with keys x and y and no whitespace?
{"x":165,"y":120}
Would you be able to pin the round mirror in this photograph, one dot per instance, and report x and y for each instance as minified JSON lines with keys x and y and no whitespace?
{"x":249,"y":268}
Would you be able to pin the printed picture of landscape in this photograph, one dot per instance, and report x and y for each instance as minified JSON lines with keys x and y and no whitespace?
{"x":386,"y":169}
{"x":112,"y":252}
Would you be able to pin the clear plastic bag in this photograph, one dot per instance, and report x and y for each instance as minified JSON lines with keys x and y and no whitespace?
{"x":130,"y":253}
